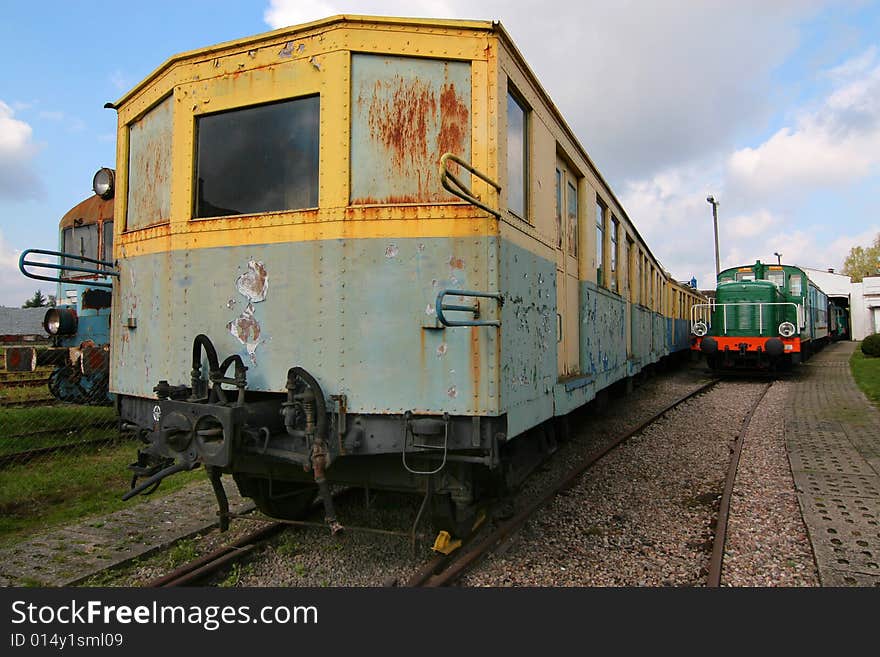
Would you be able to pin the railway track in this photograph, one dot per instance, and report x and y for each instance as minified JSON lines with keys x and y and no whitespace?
{"x":442,"y":570}
{"x":27,"y":403}
{"x":445,"y":570}
{"x":205,"y":566}
{"x":716,"y":560}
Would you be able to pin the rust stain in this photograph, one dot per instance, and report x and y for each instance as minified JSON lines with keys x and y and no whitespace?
{"x":398,"y":117}
{"x":454,"y":121}
{"x":475,"y":364}
{"x":391,"y":200}
{"x":247,"y":330}
{"x":254,"y":283}
{"x":456,"y":263}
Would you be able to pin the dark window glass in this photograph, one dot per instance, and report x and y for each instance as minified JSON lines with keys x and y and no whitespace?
{"x":258,"y":159}
{"x":517,"y":157}
{"x":80,"y":241}
{"x":108,"y":241}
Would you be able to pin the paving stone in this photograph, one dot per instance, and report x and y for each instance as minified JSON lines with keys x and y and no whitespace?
{"x":67,"y":555}
{"x":832,"y":435}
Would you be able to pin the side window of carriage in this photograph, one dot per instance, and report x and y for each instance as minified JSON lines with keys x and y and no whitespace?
{"x":262,"y":158}
{"x":517,"y":154}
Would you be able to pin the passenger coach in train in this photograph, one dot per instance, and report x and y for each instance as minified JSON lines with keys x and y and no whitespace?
{"x":763,"y":317}
{"x":368,"y":251}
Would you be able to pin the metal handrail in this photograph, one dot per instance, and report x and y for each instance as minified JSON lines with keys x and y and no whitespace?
{"x":23,"y":262}
{"x":475,"y":309}
{"x":461,"y":190}
{"x":712,"y":306}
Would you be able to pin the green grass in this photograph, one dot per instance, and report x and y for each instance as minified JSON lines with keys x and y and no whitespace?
{"x":67,"y":487}
{"x":45,"y":426}
{"x":866,"y":372}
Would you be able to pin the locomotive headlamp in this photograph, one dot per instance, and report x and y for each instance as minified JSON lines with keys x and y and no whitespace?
{"x":786,"y":329}
{"x":60,"y":321}
{"x":700,"y":329}
{"x":103,"y":183}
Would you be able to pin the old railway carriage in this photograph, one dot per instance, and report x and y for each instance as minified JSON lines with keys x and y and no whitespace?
{"x":302,"y":299}
{"x":763,"y":316}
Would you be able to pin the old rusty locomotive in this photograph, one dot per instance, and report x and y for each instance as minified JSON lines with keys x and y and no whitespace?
{"x":368,"y":251}
{"x":79,"y":322}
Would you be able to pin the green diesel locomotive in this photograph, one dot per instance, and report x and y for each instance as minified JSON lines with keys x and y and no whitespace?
{"x":765,"y":317}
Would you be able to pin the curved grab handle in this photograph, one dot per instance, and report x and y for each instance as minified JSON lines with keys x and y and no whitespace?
{"x":475,"y":309}
{"x":23,"y":262}
{"x":462,"y":191}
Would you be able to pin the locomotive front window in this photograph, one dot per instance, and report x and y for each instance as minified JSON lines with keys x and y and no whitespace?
{"x":80,"y":241}
{"x":794,"y":284}
{"x":258,"y":159}
{"x":777,"y":277}
{"x":108,"y":241}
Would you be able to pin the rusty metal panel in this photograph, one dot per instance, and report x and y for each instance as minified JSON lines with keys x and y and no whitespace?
{"x":149,"y":168}
{"x":406,"y":112}
{"x":603,"y":334}
{"x":528,"y":337}
{"x":21,"y":359}
{"x":351,"y":312}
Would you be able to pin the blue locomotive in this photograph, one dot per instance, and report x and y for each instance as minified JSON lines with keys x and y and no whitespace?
{"x":79,"y":323}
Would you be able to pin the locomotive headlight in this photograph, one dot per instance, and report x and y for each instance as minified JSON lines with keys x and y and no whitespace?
{"x":786,"y":329}
{"x":60,"y":321}
{"x":700,"y":329}
{"x":103,"y":183}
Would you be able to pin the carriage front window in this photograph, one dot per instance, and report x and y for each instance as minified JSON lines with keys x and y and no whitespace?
{"x":258,"y":159}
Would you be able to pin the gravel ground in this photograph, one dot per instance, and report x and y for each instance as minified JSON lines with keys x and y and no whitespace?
{"x":642,"y":516}
{"x":767,"y":542}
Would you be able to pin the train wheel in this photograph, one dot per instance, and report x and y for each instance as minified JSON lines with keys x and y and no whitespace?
{"x":285,"y":500}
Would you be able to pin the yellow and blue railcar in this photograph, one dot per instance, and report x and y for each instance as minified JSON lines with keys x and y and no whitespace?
{"x":368,"y":251}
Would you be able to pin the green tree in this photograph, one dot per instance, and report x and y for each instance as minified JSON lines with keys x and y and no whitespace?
{"x":36,"y":301}
{"x":863,"y":261}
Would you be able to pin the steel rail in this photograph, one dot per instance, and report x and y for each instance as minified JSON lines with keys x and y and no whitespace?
{"x":209,"y":563}
{"x":717,"y":558}
{"x":24,"y":456}
{"x":457,"y":565}
{"x":201,"y":567}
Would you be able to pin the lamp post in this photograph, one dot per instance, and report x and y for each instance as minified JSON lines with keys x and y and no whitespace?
{"x":778,"y":258}
{"x":711,"y":199}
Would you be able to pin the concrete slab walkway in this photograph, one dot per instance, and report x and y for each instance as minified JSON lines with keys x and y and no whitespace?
{"x":832,"y":435}
{"x":67,"y":555}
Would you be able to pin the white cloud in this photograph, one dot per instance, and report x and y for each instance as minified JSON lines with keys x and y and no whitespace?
{"x":836,"y":144}
{"x":664,"y":97}
{"x":17,"y":150}
{"x":644,"y":85}
{"x":16,"y":288}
